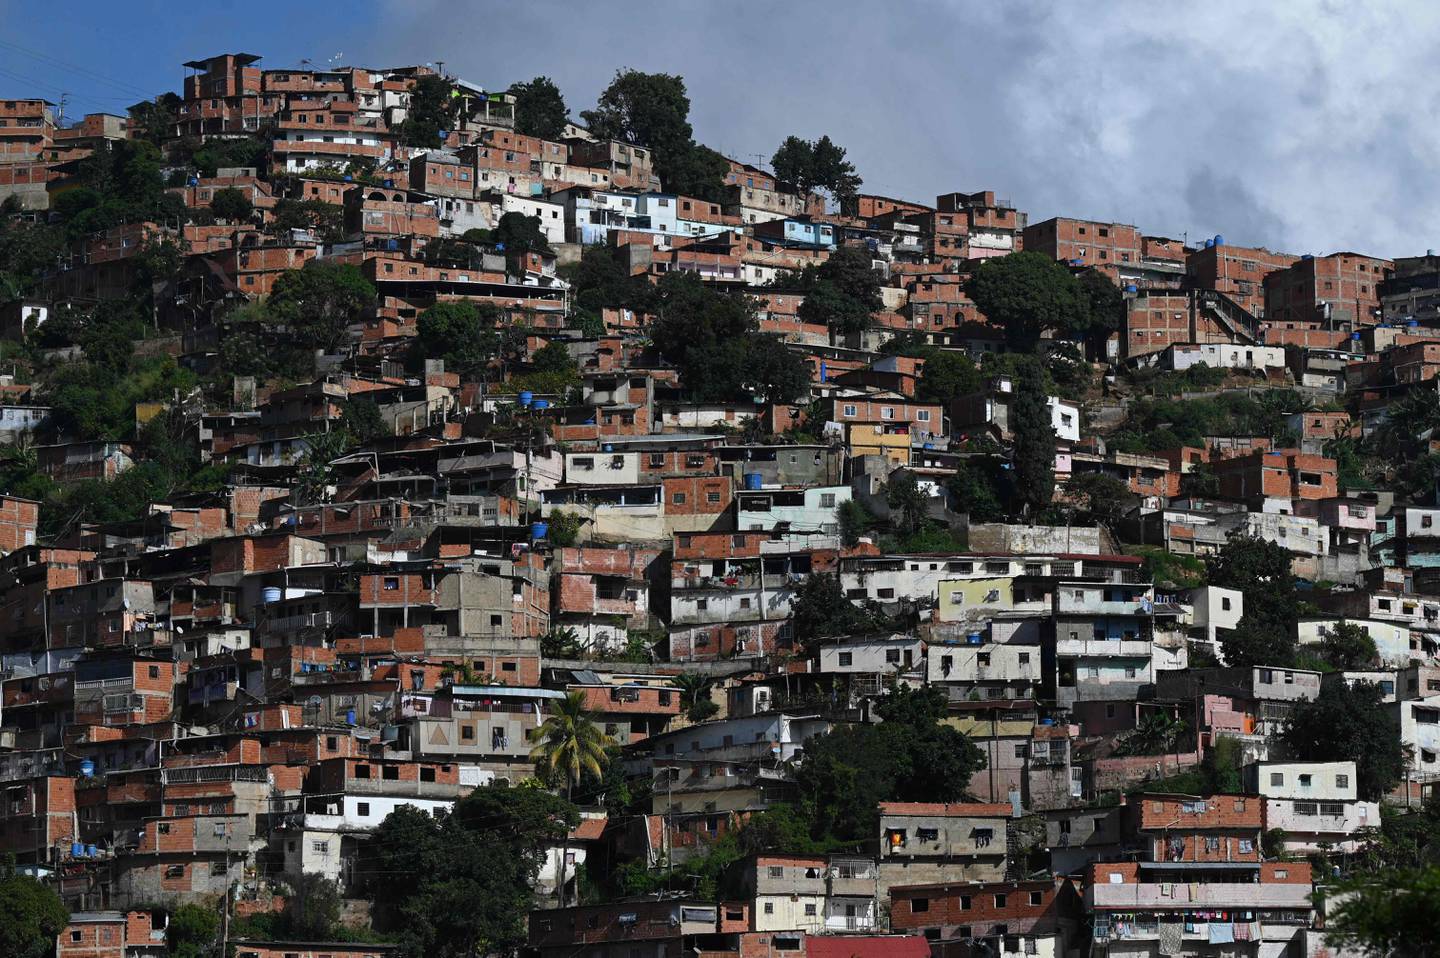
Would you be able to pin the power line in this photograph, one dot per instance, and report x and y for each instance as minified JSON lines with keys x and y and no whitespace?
{"x":84,"y":71}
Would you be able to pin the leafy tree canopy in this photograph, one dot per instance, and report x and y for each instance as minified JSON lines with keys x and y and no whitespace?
{"x":539,"y":109}
{"x":1349,"y":722}
{"x":1028,"y":294}
{"x":320,"y":302}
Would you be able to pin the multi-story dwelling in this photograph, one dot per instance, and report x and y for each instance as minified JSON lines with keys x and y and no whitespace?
{"x":930,"y":843}
{"x":1316,"y":804}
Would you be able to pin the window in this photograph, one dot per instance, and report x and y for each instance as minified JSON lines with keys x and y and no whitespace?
{"x":154,"y":669}
{"x":922,"y":415}
{"x":846,"y":658}
{"x":702,"y":604}
{"x":1024,"y":658}
{"x":999,"y":901}
{"x":427,"y":775}
{"x":827,"y":500}
{"x":776,"y":871}
{"x":712,"y":497}
{"x":1037,"y":898}
{"x":467,"y":733}
{"x":320,"y":848}
{"x":1305,"y":808}
{"x":1277,"y":778}
{"x":1019,"y":749}
{"x":74,"y":936}
{"x":927,"y":834}
{"x":1225,"y":602}
{"x":363,"y":809}
{"x":1342,"y":781}
{"x":391,"y":583}
{"x":769,"y":908}
{"x":892,"y":655}
{"x":919,"y":905}
{"x":849,"y":410}
{"x":1304,"y":781}
{"x":965,"y":905}
{"x":810,"y":909}
{"x":362,"y":771}
{"x":678,"y":498}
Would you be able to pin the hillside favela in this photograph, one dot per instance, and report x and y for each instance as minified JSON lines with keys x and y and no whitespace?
{"x":443,"y":519}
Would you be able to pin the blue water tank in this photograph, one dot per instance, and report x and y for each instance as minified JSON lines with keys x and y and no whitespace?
{"x":526,"y":397}
{"x":77,"y":850}
{"x":91,"y":851}
{"x":974,"y":638}
{"x":1047,"y":721}
{"x":349,"y":716}
{"x":87,"y":768}
{"x":1209,"y":243}
{"x":607,"y":448}
{"x":1219,"y":240}
{"x":753,"y":480}
{"x":929,"y":445}
{"x":271,"y":594}
{"x":824,"y":370}
{"x":1131,"y":288}
{"x":349,"y":178}
{"x":390,"y":184}
{"x":541,"y":404}
{"x":392,"y":245}
{"x":1413,"y":323}
{"x":1355,"y":336}
{"x":1307,"y":255}
{"x":539,"y":530}
{"x":444,"y":134}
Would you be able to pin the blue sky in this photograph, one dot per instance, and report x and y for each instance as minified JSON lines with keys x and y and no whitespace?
{"x":1299,"y":125}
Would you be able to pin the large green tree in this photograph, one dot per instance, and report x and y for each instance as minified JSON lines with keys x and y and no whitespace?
{"x":193,"y":932}
{"x":432,"y":109}
{"x":1260,"y":569}
{"x":946,"y":376}
{"x":841,"y":293}
{"x":1033,"y":455}
{"x":908,"y":757}
{"x":821,"y":610}
{"x":1348,"y":646}
{"x":540,"y":109}
{"x":821,"y":164}
{"x":1028,"y":294}
{"x":1392,"y":915}
{"x":461,"y":333}
{"x":321,"y":301}
{"x":653,"y":109}
{"x":31,"y":915}
{"x":1349,"y":722}
{"x":457,"y":884}
{"x":1104,"y":315}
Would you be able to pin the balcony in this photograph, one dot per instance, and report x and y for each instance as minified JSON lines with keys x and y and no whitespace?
{"x":1171,"y":896}
{"x":1103,"y":648}
{"x":1090,"y":602}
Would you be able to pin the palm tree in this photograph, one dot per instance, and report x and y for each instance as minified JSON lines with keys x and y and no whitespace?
{"x":569,"y":743}
{"x":695,"y":696}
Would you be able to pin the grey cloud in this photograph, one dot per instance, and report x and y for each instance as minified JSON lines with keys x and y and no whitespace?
{"x":1275,"y":125}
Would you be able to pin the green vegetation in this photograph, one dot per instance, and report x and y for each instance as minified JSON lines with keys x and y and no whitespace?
{"x":1028,"y":294}
{"x":432,"y":109}
{"x":908,"y":757}
{"x":1034,"y":453}
{"x":467,"y":873}
{"x":462,"y":334}
{"x":712,"y":337}
{"x":653,"y":109}
{"x":820,"y":164}
{"x":840,"y":293}
{"x":1157,"y":425}
{"x":539,"y":109}
{"x":1348,"y":722}
{"x":31,"y":915}
{"x":822,"y":611}
{"x":1265,"y":635}
{"x":1393,"y":915}
{"x":568,"y":744}
{"x":231,"y":204}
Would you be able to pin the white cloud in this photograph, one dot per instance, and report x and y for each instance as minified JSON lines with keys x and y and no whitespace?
{"x":1302,"y":126}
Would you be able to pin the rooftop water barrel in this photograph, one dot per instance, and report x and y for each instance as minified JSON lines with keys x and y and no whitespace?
{"x":91,"y":851}
{"x":539,"y":530}
{"x":390,"y":184}
{"x":1219,"y":240}
{"x":823,"y":370}
{"x":1047,"y":721}
{"x":87,"y":767}
{"x":270,"y":594}
{"x":607,"y":448}
{"x":974,"y":638}
{"x":1131,"y":288}
{"x":349,"y":716}
{"x":1307,"y":256}
{"x":1209,"y":243}
{"x":526,"y":397}
{"x":753,"y":480}
{"x":77,"y":850}
{"x":541,"y":404}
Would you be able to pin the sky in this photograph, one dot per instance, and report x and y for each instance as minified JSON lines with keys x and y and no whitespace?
{"x":1305,"y":126}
